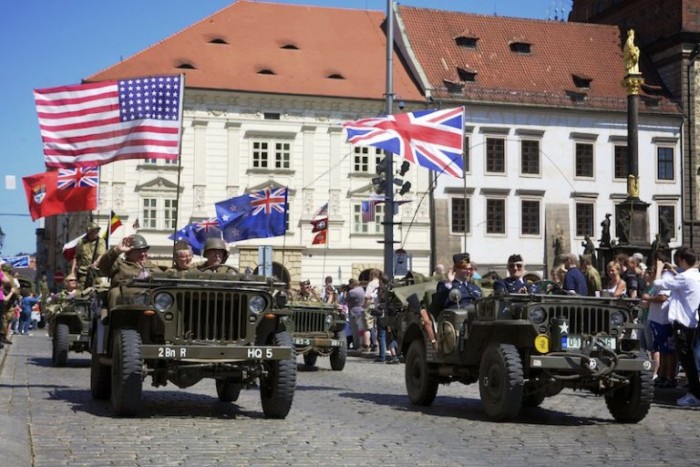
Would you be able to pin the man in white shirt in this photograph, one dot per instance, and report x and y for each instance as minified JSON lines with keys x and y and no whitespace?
{"x":683,"y":315}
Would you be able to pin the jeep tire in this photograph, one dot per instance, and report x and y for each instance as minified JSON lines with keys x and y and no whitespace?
{"x":227,"y":390}
{"x":501,"y":381}
{"x":421,"y":385}
{"x":60,"y":345}
{"x":279,"y":381}
{"x":630,"y":403}
{"x":127,"y":372}
{"x":339,"y":354}
{"x":310,"y":358}
{"x":533,"y":395}
{"x":100,"y":375}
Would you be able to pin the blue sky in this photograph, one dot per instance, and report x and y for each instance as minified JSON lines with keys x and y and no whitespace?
{"x":52,"y":43}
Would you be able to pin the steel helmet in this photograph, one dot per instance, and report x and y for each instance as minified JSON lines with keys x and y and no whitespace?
{"x":216,"y":244}
{"x":91,"y":226}
{"x":139,"y":243}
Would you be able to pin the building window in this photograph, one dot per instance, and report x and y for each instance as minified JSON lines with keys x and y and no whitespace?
{"x":163,"y":161}
{"x":621,"y":168}
{"x":366,"y":159}
{"x":272,"y":155}
{"x":530,"y":212}
{"x":372,"y":227}
{"x":159,"y":213}
{"x":584,"y":219}
{"x":584,"y":160}
{"x":530,"y":157}
{"x":667,"y":221}
{"x":665,"y":163}
{"x":495,"y":216}
{"x":460,"y":215}
{"x":495,"y":155}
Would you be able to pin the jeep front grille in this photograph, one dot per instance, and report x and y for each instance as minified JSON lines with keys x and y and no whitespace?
{"x":211,"y":315}
{"x":309,"y":320}
{"x":583,"y":319}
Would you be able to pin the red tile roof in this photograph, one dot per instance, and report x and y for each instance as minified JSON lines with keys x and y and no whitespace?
{"x":300,"y":45}
{"x":545,"y":76}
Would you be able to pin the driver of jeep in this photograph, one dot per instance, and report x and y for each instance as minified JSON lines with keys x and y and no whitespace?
{"x":216,"y":254}
{"x":134,"y":264}
{"x":463,"y":271}
{"x":514,"y":283}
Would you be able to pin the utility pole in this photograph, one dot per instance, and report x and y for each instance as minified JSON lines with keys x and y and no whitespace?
{"x":389,"y":157}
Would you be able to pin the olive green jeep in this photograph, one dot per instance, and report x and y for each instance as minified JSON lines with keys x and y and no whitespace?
{"x":318,"y":328}
{"x":182,"y":327}
{"x":522,"y":348}
{"x":70,"y":320}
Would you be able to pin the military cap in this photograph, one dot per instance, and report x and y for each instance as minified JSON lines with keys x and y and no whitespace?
{"x":304,"y":283}
{"x":70,"y":277}
{"x":461,"y":259}
{"x":516,"y":258}
{"x":91,"y":226}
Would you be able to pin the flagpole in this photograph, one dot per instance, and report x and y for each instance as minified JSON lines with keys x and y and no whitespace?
{"x":179,"y":164}
{"x":389,"y":157}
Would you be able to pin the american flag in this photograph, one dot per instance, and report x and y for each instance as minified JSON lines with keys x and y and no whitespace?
{"x":77,"y":177}
{"x":430,"y":138}
{"x":267,"y":200}
{"x":98,"y":123}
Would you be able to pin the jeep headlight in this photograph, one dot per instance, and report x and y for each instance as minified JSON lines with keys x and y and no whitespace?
{"x":162,"y":301}
{"x":617,"y":318}
{"x":256,"y":304}
{"x":329,"y":320}
{"x":536,"y":314}
{"x":81,"y":310}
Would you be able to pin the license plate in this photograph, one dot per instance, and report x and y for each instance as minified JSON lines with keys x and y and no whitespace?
{"x":300,"y":341}
{"x":575,"y":342}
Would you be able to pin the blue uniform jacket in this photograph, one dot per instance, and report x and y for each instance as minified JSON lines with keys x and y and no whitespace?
{"x":470,"y":293}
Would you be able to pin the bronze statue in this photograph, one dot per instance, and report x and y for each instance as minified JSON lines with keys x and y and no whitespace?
{"x":631,"y":54}
{"x":605,"y":234}
{"x":589,"y":249}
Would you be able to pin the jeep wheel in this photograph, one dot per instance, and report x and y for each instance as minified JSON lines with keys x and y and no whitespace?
{"x":279,"y":381}
{"x":127,"y":370}
{"x":501,"y":381}
{"x":60,"y":345}
{"x":630,"y":403}
{"x":422,"y":387}
{"x":100,"y":378}
{"x":533,"y":395}
{"x":310,"y":358}
{"x":339,"y":354}
{"x":227,"y":390}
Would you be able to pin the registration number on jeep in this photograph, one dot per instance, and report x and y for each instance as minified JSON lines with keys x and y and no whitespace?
{"x":575,"y":342}
{"x":300,"y":341}
{"x":172,"y":352}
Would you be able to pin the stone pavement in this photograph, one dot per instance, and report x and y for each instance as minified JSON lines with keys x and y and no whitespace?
{"x":358,"y":416}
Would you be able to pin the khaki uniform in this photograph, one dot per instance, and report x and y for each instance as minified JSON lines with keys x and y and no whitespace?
{"x":85,"y":254}
{"x":222,"y":268}
{"x":119,"y":269}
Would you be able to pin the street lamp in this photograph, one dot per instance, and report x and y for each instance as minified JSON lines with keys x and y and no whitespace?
{"x":2,"y":239}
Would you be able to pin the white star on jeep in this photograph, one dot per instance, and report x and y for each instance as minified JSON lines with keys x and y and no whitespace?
{"x":564,"y":328}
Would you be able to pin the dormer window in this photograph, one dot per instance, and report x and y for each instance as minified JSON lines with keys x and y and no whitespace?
{"x":453,"y":87}
{"x":520,"y":47}
{"x":335,"y":76}
{"x":582,"y":81}
{"x":218,"y":40}
{"x":289,"y":47}
{"x":186,"y":66}
{"x":466,"y":42}
{"x":466,"y":74}
{"x":266,"y":71}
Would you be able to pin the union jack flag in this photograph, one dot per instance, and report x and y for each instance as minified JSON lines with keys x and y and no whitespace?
{"x":430,"y":138}
{"x":208,"y":226}
{"x":77,"y":177}
{"x":267,"y":200}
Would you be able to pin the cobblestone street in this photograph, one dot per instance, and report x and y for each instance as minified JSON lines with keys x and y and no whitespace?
{"x":360,"y":416}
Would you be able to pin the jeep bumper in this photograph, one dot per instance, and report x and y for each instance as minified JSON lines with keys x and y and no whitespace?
{"x":316,"y":342}
{"x":577,"y":362}
{"x":214,"y":353}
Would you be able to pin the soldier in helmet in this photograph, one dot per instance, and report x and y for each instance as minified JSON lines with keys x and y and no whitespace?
{"x":90,"y":249}
{"x":134,"y":264}
{"x":216,"y":254}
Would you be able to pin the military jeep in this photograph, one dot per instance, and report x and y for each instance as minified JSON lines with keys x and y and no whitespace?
{"x":181,"y":327}
{"x":318,"y":328}
{"x":69,"y":322}
{"x":523,"y":348}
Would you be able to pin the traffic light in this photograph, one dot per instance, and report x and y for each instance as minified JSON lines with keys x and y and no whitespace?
{"x":405,"y":165}
{"x":379,"y":185}
{"x":405,"y":188}
{"x":381,"y":167}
